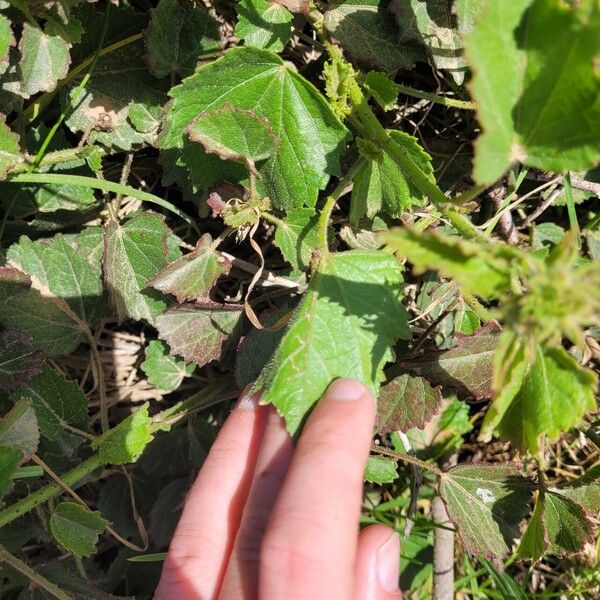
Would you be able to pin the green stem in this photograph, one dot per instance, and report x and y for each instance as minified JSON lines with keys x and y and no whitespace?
{"x":267,"y":216}
{"x":571,"y":207}
{"x":60,"y":156}
{"x":33,"y":576}
{"x":444,"y":100}
{"x":409,"y":458}
{"x":462,"y":224}
{"x":481,"y":311}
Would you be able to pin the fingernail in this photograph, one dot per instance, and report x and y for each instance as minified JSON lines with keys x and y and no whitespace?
{"x":346,"y":390}
{"x":248,"y":400}
{"x":387,"y":561}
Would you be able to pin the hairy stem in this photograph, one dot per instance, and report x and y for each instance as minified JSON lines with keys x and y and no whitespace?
{"x":443,"y":552}
{"x":444,"y":100}
{"x":407,"y":458}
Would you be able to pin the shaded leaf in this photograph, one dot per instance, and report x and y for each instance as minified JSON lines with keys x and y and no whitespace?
{"x":166,"y":511}
{"x":56,"y":400}
{"x":19,"y":360}
{"x":466,"y":368}
{"x":295,"y":6}
{"x":178,"y":35}
{"x":536,"y":85}
{"x":9,"y":461}
{"x":135,"y":250}
{"x":164,"y":371}
{"x":406,"y":402}
{"x":381,"y":470}
{"x":76,"y":528}
{"x":10,"y":151}
{"x":198,"y":333}
{"x":486,"y":503}
{"x":337,"y":331}
{"x":19,"y":429}
{"x":368,"y":33}
{"x":312,"y":138}
{"x":298,"y":237}
{"x":263,"y":24}
{"x":192,"y":276}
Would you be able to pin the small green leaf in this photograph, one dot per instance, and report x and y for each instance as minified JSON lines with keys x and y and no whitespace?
{"x":263,"y":24}
{"x":406,"y":402}
{"x":368,"y":33}
{"x":135,"y":250}
{"x":45,"y":59}
{"x":192,"y":276}
{"x":76,"y":528}
{"x":337,"y":331}
{"x":381,"y":470}
{"x":382,"y":88}
{"x":6,"y":38}
{"x":164,"y":371}
{"x":297,"y":237}
{"x":10,"y":151}
{"x":466,"y":321}
{"x":234,"y":134}
{"x":486,"y":503}
{"x":19,"y":360}
{"x":56,"y":401}
{"x":144,"y":118}
{"x":125,"y":443}
{"x":9,"y":461}
{"x":178,"y":36}
{"x":19,"y":429}
{"x":198,"y":333}
{"x":534,"y":542}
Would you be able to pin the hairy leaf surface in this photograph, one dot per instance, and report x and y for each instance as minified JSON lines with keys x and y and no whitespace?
{"x":263,"y":24}
{"x":19,"y":360}
{"x":76,"y":528}
{"x":164,"y":371}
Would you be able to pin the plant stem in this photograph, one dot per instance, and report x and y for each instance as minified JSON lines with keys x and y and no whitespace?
{"x":443,"y":552}
{"x":33,"y":576}
{"x":408,"y":458}
{"x":444,"y":100}
{"x":60,"y":156}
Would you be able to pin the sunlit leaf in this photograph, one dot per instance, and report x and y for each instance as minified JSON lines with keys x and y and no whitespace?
{"x":297,"y":237}
{"x":263,"y":24}
{"x":76,"y":528}
{"x":10,"y":151}
{"x":19,"y":429}
{"x":381,"y":470}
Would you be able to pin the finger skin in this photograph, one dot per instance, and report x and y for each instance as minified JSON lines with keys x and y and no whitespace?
{"x":375,"y":543}
{"x":197,"y":559}
{"x":241,"y":578}
{"x":309,"y":548}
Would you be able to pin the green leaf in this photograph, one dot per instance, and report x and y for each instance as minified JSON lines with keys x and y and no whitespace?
{"x":263,"y":24}
{"x":406,"y":402}
{"x":56,"y":401}
{"x":543,"y":396}
{"x":19,"y":360}
{"x":6,"y":38}
{"x":178,"y":36}
{"x":135,"y":250}
{"x":198,"y":333}
{"x":381,"y":186}
{"x":480,"y":270}
{"x":235,"y":134}
{"x":125,"y":443}
{"x":486,"y":503}
{"x":19,"y":429}
{"x":9,"y":461}
{"x":536,"y":85}
{"x":368,"y":33}
{"x":298,"y":237}
{"x":10,"y":151}
{"x":45,"y":59}
{"x":382,"y":88}
{"x":466,"y":321}
{"x":77,"y":528}
{"x":164,"y":371}
{"x":337,"y":331}
{"x":312,"y":138}
{"x":192,"y":276}
{"x":381,"y":470}
{"x":466,"y":368}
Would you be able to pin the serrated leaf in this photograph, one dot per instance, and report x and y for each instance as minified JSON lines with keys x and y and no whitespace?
{"x":9,"y":461}
{"x":19,"y":429}
{"x":479,"y":269}
{"x":198,"y":333}
{"x":406,"y":402}
{"x":177,"y":36}
{"x":382,"y":88}
{"x":368,"y":33}
{"x":486,"y":503}
{"x":135,"y":250}
{"x":164,"y":371}
{"x":76,"y":528}
{"x":587,"y":495}
{"x":381,"y":470}
{"x":381,"y":186}
{"x":192,"y":276}
{"x":263,"y":24}
{"x":125,"y":443}
{"x":337,"y":331}
{"x":466,"y":321}
{"x":312,"y":138}
{"x":19,"y":360}
{"x":541,"y":397}
{"x":297,"y":237}
{"x":466,"y":368}
{"x":45,"y":59}
{"x":536,"y":85}
{"x":56,"y":400}
{"x":235,"y":134}
{"x":10,"y":151}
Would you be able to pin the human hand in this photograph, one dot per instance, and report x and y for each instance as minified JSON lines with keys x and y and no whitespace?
{"x":266,"y":520}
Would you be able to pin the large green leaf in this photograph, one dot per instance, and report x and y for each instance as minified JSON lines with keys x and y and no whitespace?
{"x":486,"y":503}
{"x":19,"y":360}
{"x":134,"y":252}
{"x":263,"y":24}
{"x":337,"y":331}
{"x":178,"y":35}
{"x":536,"y":85}
{"x":76,"y":528}
{"x":312,"y":138}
